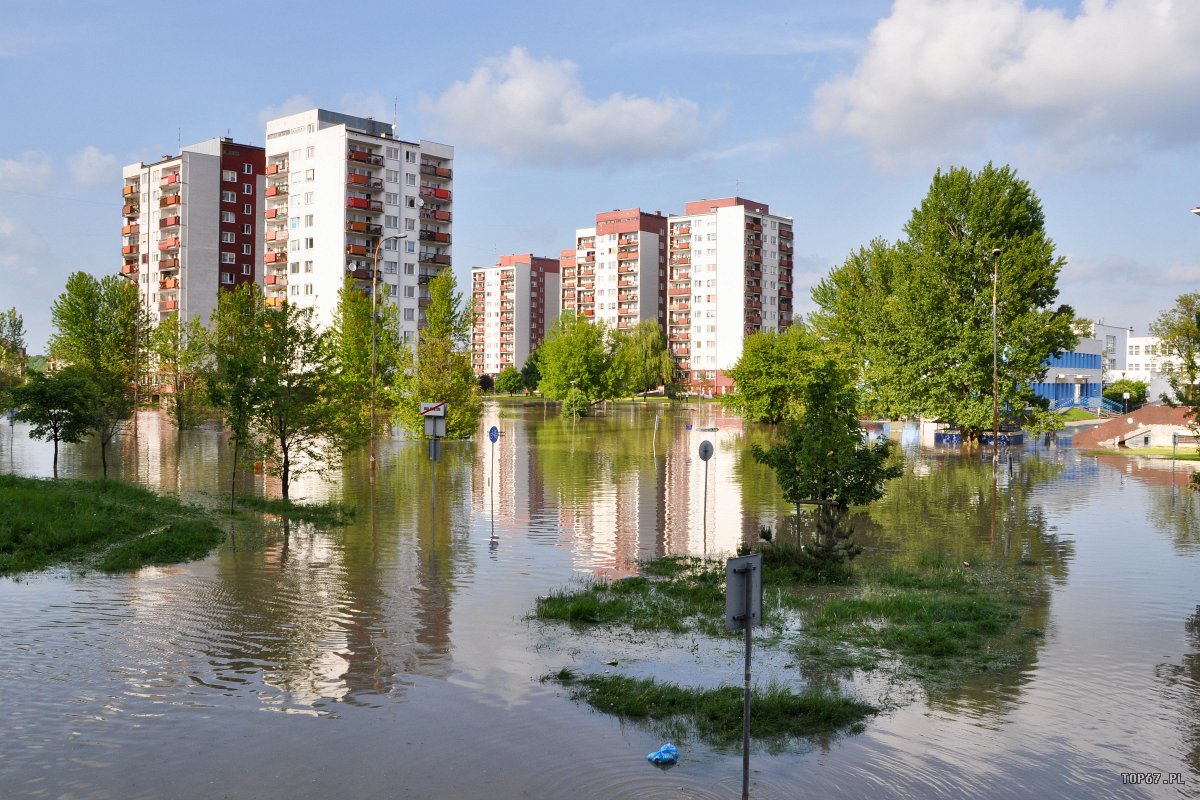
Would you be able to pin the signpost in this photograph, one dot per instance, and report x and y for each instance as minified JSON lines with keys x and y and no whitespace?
{"x":435,"y":429}
{"x":743,"y":611}
{"x":493,"y":435}
{"x":706,"y":451}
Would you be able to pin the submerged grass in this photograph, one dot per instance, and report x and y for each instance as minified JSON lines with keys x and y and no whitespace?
{"x":113,"y":525}
{"x":716,"y":714}
{"x":316,"y":513}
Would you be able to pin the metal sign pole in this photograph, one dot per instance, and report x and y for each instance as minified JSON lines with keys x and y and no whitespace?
{"x":746,"y":695}
{"x":706,"y":451}
{"x":743,"y":609}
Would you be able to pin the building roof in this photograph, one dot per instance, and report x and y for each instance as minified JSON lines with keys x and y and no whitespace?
{"x":1120,"y":427}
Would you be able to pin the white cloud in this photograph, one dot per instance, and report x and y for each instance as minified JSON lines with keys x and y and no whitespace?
{"x":90,"y":167}
{"x":950,"y":77}
{"x":527,"y":109}
{"x":293,"y":105}
{"x":29,"y":172}
{"x":21,"y":250}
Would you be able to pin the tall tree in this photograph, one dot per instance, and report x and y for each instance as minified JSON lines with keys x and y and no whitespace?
{"x":1178,"y":332}
{"x":531,"y":371}
{"x":641,"y":359}
{"x":101,"y":327}
{"x":295,"y":415}
{"x":823,"y":458}
{"x":509,"y":380}
{"x":181,"y":351}
{"x":916,"y":317}
{"x":443,"y":371}
{"x":12,"y":355}
{"x":58,"y":405}
{"x":235,"y":371}
{"x":350,"y":341}
{"x":770,"y":374}
{"x":575,"y":355}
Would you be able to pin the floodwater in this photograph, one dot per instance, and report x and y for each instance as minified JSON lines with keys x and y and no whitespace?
{"x":393,"y":658}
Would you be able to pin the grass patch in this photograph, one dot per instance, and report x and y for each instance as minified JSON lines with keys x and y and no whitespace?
{"x":716,"y":714}
{"x":44,"y":523}
{"x":1079,"y":415}
{"x":316,"y":513}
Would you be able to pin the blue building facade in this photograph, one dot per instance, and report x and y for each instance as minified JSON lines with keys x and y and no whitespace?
{"x":1075,"y":378}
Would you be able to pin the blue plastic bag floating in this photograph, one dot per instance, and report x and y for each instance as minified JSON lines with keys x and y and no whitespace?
{"x":667,"y":754}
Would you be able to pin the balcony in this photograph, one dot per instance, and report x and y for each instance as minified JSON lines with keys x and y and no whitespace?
{"x":168,"y":305}
{"x":275,"y":280}
{"x":278,"y":168}
{"x":130,"y":230}
{"x":169,"y":180}
{"x":364,"y":227}
{"x":681,"y":261}
{"x":274,"y":257}
{"x":679,"y":305}
{"x":626,"y":269}
{"x":363,"y":181}
{"x":169,"y":244}
{"x":753,"y":318}
{"x":680,"y":291}
{"x":435,"y":193}
{"x":364,"y":204}
{"x":754,"y":226}
{"x":130,"y":268}
{"x":356,"y":250}
{"x":435,"y":214}
{"x":168,"y":201}
{"x":785,"y":292}
{"x":170,"y":222}
{"x":754,"y":304}
{"x":129,"y":210}
{"x":280,"y":235}
{"x":435,"y":258}
{"x":362,"y":274}
{"x":363,"y":157}
{"x":278,"y":190}
{"x":274,"y":302}
{"x":784,"y":233}
{"x":277,"y":212}
{"x":440,"y":173}
{"x":131,"y":191}
{"x":168,"y":263}
{"x":168,"y":284}
{"x":435,"y":236}
{"x":752,"y":272}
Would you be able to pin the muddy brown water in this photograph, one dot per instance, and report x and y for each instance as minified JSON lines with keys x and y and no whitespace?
{"x":394,"y":658}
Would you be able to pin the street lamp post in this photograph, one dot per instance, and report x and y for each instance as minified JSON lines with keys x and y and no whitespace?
{"x":374,"y":285}
{"x":995,"y":361}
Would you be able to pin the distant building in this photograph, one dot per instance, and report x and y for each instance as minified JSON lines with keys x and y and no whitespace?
{"x":619,"y":270}
{"x":730,"y":276}
{"x":192,"y":226}
{"x":515,"y":301}
{"x":345,"y":197}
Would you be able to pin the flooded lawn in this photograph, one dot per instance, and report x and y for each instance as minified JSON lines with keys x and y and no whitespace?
{"x":395,"y":657}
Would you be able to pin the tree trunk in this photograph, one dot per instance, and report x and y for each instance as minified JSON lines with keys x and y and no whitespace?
{"x":56,"y":457}
{"x":284,"y":474}
{"x":233,"y":475}
{"x":104,"y":456}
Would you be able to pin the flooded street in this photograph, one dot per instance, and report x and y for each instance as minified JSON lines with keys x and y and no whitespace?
{"x":393,"y":657}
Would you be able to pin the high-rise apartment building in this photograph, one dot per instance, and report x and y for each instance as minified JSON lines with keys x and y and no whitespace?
{"x":346,"y":199}
{"x":192,"y":226}
{"x":730,"y":276}
{"x":515,"y":302}
{"x":620,"y":269}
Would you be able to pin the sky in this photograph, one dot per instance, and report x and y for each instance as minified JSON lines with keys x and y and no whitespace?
{"x":837,"y":114}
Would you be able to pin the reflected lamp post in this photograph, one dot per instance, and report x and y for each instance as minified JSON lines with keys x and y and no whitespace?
{"x":374,"y":315}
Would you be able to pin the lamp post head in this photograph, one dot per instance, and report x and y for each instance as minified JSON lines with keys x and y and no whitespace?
{"x":1196,"y":211}
{"x":995,"y":252}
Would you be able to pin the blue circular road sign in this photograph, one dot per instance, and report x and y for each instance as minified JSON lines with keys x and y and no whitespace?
{"x":494,"y":434}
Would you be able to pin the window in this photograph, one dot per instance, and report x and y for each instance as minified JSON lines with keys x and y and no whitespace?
{"x":391,"y":221}
{"x":246,"y":269}
{"x":389,"y":268}
{"x":295,"y":289}
{"x":410,"y":179}
{"x":408,"y":315}
{"x":226,"y":277}
{"x":247,"y":208}
{"x":392,"y":175}
{"x":247,"y":229}
{"x":247,"y":188}
{"x":310,"y":151}
{"x":228,"y":258}
{"x":308,"y":288}
{"x":308,"y":220}
{"x":410,"y":157}
{"x":389,"y":244}
{"x":310,"y":174}
{"x":228,"y":196}
{"x":294,"y":267}
{"x":410,"y":224}
{"x":308,"y":266}
{"x":248,"y":169}
{"x":308,"y":196}
{"x":409,"y":269}
{"x":247,"y":249}
{"x":411,"y":202}
{"x":228,"y":216}
{"x":409,"y":291}
{"x":228,"y":175}
{"x":392,"y":198}
{"x":391,"y":152}
{"x":227,"y":237}
{"x":308,"y":243}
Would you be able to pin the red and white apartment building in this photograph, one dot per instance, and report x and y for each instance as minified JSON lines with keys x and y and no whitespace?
{"x":619,"y":270}
{"x":730,"y":276}
{"x":515,"y":302}
{"x":346,"y":198}
{"x":192,"y":226}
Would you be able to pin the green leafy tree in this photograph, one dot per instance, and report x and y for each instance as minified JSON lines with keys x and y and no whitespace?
{"x":443,"y":371}
{"x":180,"y":351}
{"x":509,"y":380}
{"x":1178,"y":332}
{"x":575,"y":355}
{"x":769,"y":376}
{"x":1137,"y":390}
{"x":12,"y":355}
{"x":58,"y":406}
{"x":531,"y":371}
{"x":641,"y":359}
{"x":235,"y":371}
{"x":295,"y":416}
{"x":350,"y":340}
{"x":915,"y":318}
{"x":101,"y":327}
{"x":822,"y":458}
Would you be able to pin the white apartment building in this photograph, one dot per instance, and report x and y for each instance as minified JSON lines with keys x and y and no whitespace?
{"x":1148,"y":361}
{"x":346,"y":198}
{"x":730,"y":276}
{"x":192,"y":226}
{"x":620,"y":269}
{"x":515,"y":302}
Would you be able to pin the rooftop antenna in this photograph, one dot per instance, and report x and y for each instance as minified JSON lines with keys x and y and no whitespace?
{"x":395,"y":112}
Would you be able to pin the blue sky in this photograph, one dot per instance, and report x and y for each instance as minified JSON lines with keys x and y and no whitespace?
{"x":835,"y":113}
